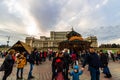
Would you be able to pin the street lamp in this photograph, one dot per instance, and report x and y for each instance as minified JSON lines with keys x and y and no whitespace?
{"x":8,"y":40}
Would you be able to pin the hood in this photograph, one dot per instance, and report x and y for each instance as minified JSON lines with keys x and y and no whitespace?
{"x":76,"y":67}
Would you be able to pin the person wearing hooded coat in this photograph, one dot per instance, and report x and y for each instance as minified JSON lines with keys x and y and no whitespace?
{"x":20,"y":61}
{"x":8,"y":63}
{"x":76,"y":73}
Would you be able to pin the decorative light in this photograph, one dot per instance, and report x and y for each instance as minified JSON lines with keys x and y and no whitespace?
{"x":75,"y":38}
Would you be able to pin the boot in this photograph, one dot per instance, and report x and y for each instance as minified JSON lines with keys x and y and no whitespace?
{"x":108,"y":76}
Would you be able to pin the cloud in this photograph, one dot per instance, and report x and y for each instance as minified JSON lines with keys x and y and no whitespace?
{"x":101,"y":3}
{"x":74,"y":15}
{"x":14,"y":36}
{"x":117,"y":41}
{"x":106,"y":34}
{"x":98,"y":6}
{"x":9,"y":12}
{"x":46,"y":13}
{"x":105,"y":2}
{"x":39,"y":17}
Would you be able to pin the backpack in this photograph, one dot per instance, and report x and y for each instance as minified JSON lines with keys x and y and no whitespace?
{"x":59,"y":65}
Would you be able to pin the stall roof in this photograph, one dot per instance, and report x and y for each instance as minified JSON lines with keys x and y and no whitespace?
{"x":21,"y":46}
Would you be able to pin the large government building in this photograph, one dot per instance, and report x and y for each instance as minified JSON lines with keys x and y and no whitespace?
{"x":52,"y":42}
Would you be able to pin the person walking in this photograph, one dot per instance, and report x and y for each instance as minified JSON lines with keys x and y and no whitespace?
{"x":53,"y":66}
{"x":20,"y":61}
{"x":37,"y":56}
{"x":112,"y":56}
{"x":7,"y":65}
{"x":32,"y":62}
{"x":93,"y":62}
{"x":104,"y":64}
{"x":58,"y":67}
{"x":67,"y":61}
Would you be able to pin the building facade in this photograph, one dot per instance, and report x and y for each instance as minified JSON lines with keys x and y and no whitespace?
{"x":47,"y":42}
{"x":93,"y":40}
{"x":52,"y":42}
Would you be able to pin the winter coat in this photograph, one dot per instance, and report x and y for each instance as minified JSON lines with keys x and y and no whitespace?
{"x":74,"y":57}
{"x":67,"y":59}
{"x":45,"y":54}
{"x":76,"y":75}
{"x":8,"y":63}
{"x":92,"y":60}
{"x":104,"y":60}
{"x":32,"y":58}
{"x":21,"y":61}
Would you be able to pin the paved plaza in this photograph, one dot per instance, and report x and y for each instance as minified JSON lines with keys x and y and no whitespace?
{"x":43,"y":72}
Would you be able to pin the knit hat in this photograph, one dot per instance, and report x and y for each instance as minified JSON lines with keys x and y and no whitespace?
{"x":76,"y":67}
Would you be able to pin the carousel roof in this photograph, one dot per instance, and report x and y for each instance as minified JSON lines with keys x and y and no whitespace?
{"x":73,"y":33}
{"x":74,"y":40}
{"x":75,"y":43}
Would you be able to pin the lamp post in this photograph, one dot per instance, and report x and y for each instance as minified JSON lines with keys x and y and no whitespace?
{"x":8,"y":40}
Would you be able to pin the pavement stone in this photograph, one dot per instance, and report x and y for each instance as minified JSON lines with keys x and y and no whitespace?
{"x":43,"y":72}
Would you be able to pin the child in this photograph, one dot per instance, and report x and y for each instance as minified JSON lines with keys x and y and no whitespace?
{"x":75,"y":73}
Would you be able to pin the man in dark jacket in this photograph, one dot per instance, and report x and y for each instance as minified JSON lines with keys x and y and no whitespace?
{"x":32,"y":62}
{"x":93,"y":62}
{"x":104,"y":64}
{"x":67,"y":61}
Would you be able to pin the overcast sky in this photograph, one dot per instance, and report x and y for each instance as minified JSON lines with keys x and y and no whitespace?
{"x":21,"y":18}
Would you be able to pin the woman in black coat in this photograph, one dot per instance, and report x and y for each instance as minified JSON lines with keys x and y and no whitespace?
{"x":7,"y":65}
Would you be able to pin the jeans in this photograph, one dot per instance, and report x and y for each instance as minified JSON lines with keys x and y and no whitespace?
{"x":18,"y":70}
{"x":106,"y":70}
{"x":31,"y":68}
{"x":95,"y":73}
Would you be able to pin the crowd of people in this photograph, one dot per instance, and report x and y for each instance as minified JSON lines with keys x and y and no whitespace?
{"x":20,"y":59}
{"x":3,"y":54}
{"x":62,"y":62}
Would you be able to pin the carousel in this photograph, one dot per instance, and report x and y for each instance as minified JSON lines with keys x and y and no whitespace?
{"x":74,"y":42}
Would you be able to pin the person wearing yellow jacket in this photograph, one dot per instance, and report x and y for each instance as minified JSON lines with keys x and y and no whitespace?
{"x":20,"y":61}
